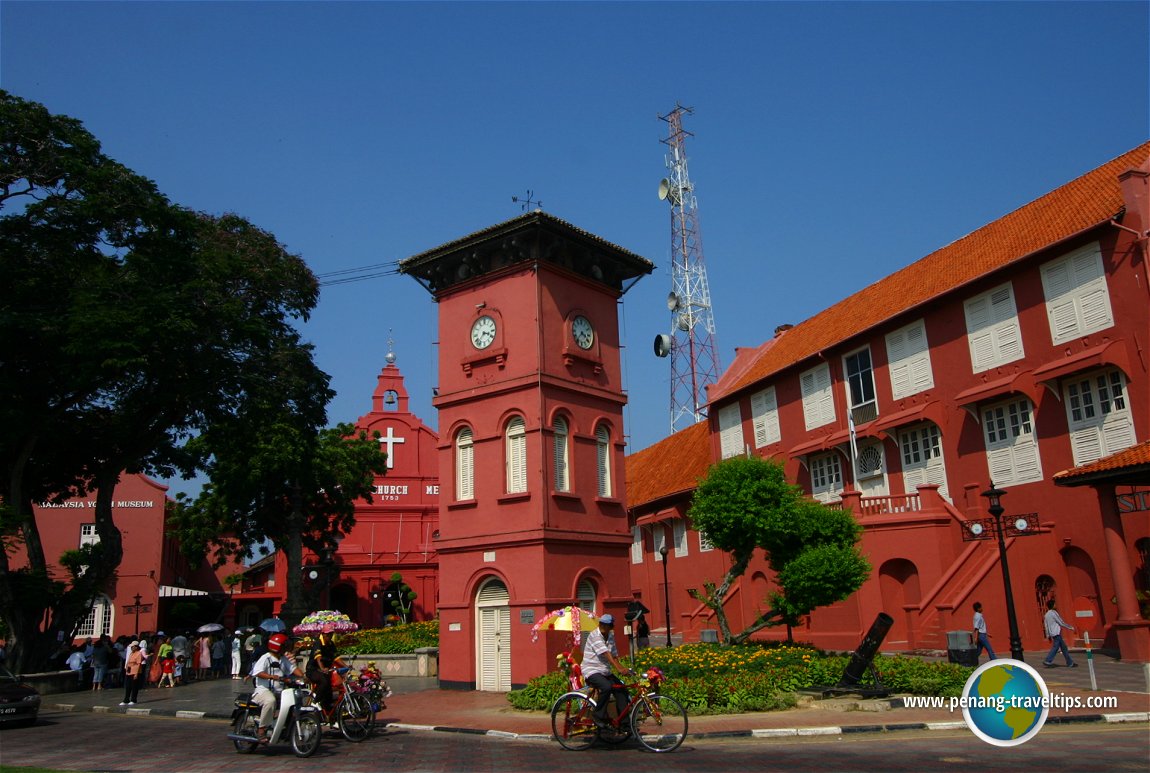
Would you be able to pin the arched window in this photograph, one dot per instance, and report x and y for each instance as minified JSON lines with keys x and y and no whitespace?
{"x":603,"y":447}
{"x":562,"y":475}
{"x":516,"y":456}
{"x":464,"y":465}
{"x":99,"y":619}
{"x":587,"y":596}
{"x":1043,"y":591}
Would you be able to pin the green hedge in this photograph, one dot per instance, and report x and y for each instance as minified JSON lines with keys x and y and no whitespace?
{"x":396,"y":640}
{"x":717,"y":679}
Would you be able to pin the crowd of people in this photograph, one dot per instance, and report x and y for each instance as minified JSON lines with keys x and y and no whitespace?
{"x":159,"y":660}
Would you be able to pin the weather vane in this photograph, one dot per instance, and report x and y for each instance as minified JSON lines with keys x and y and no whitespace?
{"x":527,"y":201}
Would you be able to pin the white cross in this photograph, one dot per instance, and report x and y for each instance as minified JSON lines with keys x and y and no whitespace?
{"x":391,"y":440}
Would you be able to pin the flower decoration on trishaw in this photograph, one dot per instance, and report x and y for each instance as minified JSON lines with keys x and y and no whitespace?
{"x":369,"y":682}
{"x":576,"y":621}
{"x":317,"y":621}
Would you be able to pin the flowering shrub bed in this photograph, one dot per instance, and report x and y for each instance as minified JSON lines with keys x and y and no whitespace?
{"x":716,"y":679}
{"x":396,"y":640}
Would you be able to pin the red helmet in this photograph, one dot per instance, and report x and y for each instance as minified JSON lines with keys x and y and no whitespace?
{"x":276,"y":642}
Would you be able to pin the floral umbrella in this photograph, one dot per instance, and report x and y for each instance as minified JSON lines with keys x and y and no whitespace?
{"x":568,"y":618}
{"x":315,"y":622}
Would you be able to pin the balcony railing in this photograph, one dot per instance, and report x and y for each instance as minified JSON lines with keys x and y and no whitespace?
{"x":882,"y":505}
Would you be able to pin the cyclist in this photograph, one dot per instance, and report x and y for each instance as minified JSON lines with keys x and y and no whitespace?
{"x":322,"y":668}
{"x":600,"y":656}
{"x":270,"y":672}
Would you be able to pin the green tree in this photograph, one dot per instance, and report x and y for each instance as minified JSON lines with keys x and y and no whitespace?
{"x":127,"y":326}
{"x":745,"y":504}
{"x":291,"y":484}
{"x":403,"y":599}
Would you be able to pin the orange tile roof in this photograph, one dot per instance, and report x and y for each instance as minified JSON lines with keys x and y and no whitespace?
{"x":1093,"y":198}
{"x":1135,"y":456}
{"x":672,"y":465}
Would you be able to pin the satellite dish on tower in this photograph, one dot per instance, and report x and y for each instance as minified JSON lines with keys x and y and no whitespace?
{"x":662,"y":345}
{"x":664,"y":189}
{"x":672,"y":301}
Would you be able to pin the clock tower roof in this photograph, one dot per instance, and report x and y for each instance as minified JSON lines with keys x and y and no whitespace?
{"x":533,"y":236}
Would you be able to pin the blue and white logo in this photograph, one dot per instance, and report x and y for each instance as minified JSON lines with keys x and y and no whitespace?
{"x":1005,"y":702}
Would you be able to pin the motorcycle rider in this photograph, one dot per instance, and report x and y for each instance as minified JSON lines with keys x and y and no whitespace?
{"x":269,"y":673}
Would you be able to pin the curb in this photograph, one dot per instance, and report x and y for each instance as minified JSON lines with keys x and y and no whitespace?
{"x":771,"y":732}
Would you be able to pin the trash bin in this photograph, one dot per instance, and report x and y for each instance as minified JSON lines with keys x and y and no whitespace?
{"x":960,"y":648}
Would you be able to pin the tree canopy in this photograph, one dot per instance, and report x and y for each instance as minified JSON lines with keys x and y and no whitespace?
{"x":745,"y":504}
{"x":128,"y":325}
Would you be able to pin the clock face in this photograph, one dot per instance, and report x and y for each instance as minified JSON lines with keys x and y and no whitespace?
{"x":483,"y":332}
{"x":583,"y":332}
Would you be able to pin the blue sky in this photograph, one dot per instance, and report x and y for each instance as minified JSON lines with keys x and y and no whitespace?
{"x":834,"y":142}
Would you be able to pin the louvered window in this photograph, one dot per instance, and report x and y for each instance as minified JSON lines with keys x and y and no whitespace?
{"x":1077,"y":298}
{"x":99,"y":619}
{"x":464,"y":465}
{"x":562,"y":475}
{"x":765,"y":417}
{"x":1011,"y":447}
{"x":679,"y":529}
{"x":1099,"y":415}
{"x":818,"y":403}
{"x":636,"y":545}
{"x":922,"y":460}
{"x":603,"y":451}
{"x":730,"y":430}
{"x":826,"y":477}
{"x":908,"y":355}
{"x":516,"y":456}
{"x":992,"y":329}
{"x":587,"y":601}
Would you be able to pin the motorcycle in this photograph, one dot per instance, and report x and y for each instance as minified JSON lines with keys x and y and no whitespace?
{"x":298,"y":721}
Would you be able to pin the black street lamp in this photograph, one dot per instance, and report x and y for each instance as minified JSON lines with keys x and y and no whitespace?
{"x":666,"y":593}
{"x":1021,"y":526}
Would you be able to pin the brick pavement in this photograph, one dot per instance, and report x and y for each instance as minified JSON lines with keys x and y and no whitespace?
{"x":418,"y":705}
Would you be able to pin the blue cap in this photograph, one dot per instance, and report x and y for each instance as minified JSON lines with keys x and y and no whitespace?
{"x":607,"y":620}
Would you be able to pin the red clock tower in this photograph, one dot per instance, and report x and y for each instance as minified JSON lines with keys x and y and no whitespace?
{"x":530,"y":404}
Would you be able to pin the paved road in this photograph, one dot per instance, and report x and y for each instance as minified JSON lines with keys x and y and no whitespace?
{"x":106,"y":742}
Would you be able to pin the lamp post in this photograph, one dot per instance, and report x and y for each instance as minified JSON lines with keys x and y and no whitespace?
{"x":1021,"y":526}
{"x":666,"y":593}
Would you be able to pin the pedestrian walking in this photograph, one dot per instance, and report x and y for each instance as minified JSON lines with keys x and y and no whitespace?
{"x":1054,"y":625}
{"x":981,"y":637}
{"x":236,"y":646}
{"x":102,"y":656}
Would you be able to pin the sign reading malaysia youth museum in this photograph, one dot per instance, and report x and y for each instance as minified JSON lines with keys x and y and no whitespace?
{"x":77,"y":503}
{"x":1134,"y":502}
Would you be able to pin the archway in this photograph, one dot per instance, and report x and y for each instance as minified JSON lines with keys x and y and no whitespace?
{"x":343,"y":598}
{"x":493,"y":637}
{"x":1084,"y":610}
{"x":898,"y":583}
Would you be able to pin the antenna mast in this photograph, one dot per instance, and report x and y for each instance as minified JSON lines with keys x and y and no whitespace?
{"x":691,"y":344}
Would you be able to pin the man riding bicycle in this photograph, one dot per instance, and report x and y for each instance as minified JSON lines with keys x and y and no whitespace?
{"x":600,"y":656}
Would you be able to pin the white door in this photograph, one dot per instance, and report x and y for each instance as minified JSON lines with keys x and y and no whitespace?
{"x":493,"y":650}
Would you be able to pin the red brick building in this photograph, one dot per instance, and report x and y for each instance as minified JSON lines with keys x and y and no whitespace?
{"x":395,"y":533}
{"x":530,"y":403}
{"x":153,"y":576}
{"x":1016,"y":352}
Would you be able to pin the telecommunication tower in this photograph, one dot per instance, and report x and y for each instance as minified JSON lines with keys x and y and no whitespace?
{"x":691,"y":344}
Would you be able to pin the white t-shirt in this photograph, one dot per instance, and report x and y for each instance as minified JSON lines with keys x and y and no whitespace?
{"x":273,"y":664}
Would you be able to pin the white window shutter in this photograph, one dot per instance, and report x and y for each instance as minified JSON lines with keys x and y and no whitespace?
{"x":516,"y":461}
{"x":636,"y":545}
{"x":464,"y":465}
{"x":818,"y":401}
{"x":908,"y":357}
{"x":603,"y":446}
{"x":765,"y":417}
{"x":560,"y":460}
{"x":730,"y":430}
